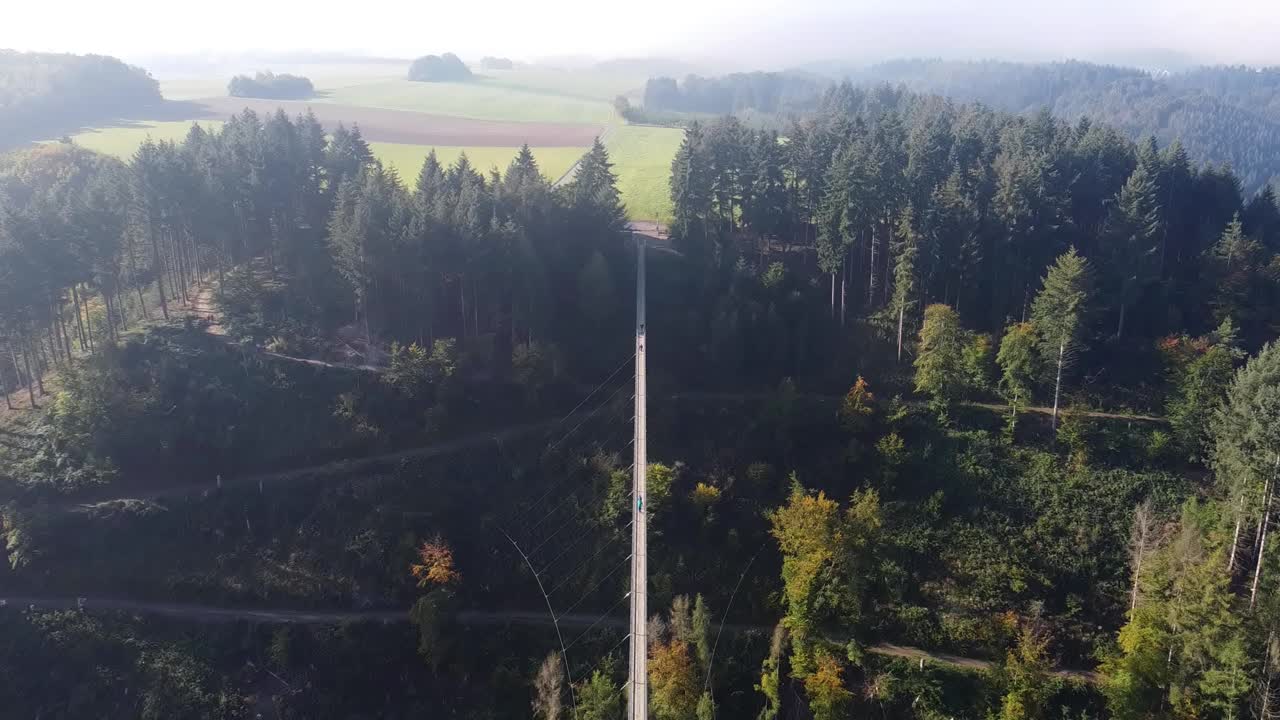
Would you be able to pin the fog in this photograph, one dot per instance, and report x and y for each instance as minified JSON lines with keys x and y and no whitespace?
{"x":756,"y":34}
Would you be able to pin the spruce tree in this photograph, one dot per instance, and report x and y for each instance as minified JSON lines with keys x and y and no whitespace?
{"x":1132,"y":235}
{"x":1059,"y":315}
{"x":905,"y":251}
{"x":1246,"y":448}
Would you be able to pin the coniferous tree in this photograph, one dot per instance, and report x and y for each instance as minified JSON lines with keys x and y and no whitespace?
{"x":1059,"y":315}
{"x":1132,"y":235}
{"x":1246,"y":449}
{"x":905,"y":251}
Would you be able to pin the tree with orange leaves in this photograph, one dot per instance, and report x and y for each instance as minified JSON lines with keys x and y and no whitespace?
{"x":828,"y":697}
{"x":436,"y":567}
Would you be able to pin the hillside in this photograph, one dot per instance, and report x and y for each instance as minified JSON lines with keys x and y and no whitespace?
{"x":1221,"y":115}
{"x":40,"y":90}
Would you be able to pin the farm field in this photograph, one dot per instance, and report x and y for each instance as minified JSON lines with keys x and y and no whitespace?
{"x":556,"y":112}
{"x":641,"y":158}
{"x":588,"y":84}
{"x":480,"y":100}
{"x":417,"y":128}
{"x":408,"y":159}
{"x":325,"y":76}
{"x":122,"y":141}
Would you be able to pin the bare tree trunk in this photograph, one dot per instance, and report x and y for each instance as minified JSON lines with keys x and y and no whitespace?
{"x":4,"y":387}
{"x":1235,"y":539}
{"x":158,"y":264}
{"x":833,"y":295}
{"x":888,"y":243}
{"x":53,"y":343}
{"x":26,"y":361}
{"x":1262,"y":543}
{"x":1057,"y":385}
{"x":1265,"y":714}
{"x":902,"y":312}
{"x":871,"y":280}
{"x":844,"y":273}
{"x":1257,"y":533}
{"x":75,"y":300}
{"x":63,"y":333}
{"x":120,"y":307}
{"x":17,"y":373}
{"x":88,"y":325}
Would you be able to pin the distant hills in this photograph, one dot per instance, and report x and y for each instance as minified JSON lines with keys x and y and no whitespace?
{"x":48,"y":90}
{"x":1221,"y":114}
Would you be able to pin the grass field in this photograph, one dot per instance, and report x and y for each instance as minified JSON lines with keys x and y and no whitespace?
{"x":641,"y":157}
{"x":478,"y":100}
{"x":642,"y":160}
{"x":407,"y":159}
{"x":123,"y":141}
{"x":586,"y":83}
{"x":325,"y":77}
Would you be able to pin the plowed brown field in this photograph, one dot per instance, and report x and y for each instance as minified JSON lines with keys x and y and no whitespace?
{"x":414,"y":128}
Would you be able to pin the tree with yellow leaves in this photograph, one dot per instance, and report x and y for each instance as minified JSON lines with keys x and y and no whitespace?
{"x":823,"y":552}
{"x":436,"y":568}
{"x":673,"y":681}
{"x":858,"y":406}
{"x":828,"y":697}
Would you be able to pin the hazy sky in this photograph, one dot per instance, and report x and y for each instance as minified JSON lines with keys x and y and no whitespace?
{"x":762,"y":33}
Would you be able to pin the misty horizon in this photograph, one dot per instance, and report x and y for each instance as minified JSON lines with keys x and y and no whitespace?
{"x":768,"y":35}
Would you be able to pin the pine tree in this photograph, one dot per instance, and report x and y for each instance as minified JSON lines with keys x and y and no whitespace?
{"x":1133,"y":234}
{"x":1246,"y":448}
{"x":691,"y":195}
{"x":905,"y":251}
{"x":594,"y":189}
{"x":1059,"y":315}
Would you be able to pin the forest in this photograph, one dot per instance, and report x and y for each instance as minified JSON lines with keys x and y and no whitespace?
{"x":40,"y":89}
{"x":1225,"y":115}
{"x":923,"y":375}
{"x":439,"y":68}
{"x":271,"y":85}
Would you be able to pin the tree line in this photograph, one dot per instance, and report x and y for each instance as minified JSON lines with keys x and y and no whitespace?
{"x":305,"y":232}
{"x":765,"y":92}
{"x":270,"y":85}
{"x":1220,"y":114}
{"x":901,"y":201}
{"x":439,"y":68}
{"x":40,"y":90}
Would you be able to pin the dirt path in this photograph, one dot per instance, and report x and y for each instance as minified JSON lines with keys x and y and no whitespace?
{"x":1049,"y":411}
{"x":994,"y":407}
{"x":206,"y":307}
{"x":346,"y":466}
{"x":208,"y":613}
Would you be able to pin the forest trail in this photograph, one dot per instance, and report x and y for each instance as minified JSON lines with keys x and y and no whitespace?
{"x":994,"y":407}
{"x":206,"y":307}
{"x":345,"y":466}
{"x":210,"y":613}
